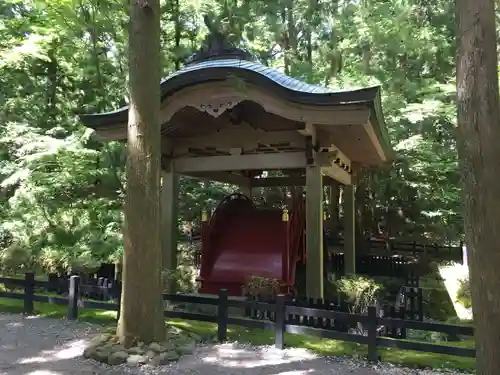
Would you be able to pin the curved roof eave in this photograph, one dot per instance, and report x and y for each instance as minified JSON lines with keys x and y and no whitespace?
{"x":380,"y":128}
{"x":268,"y":78}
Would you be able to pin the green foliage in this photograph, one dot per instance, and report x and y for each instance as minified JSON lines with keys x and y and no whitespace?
{"x":61,"y":189}
{"x":262,"y":287}
{"x":437,"y":303}
{"x":464,"y":296}
{"x":360,"y":292}
{"x":15,"y":258}
{"x":183,"y":278}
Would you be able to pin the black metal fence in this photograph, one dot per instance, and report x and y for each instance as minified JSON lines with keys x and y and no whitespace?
{"x":282,"y":319}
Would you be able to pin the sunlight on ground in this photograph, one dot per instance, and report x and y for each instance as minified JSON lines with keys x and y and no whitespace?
{"x":111,"y":314}
{"x":70,"y":350}
{"x":244,"y":358}
{"x":452,"y":276}
{"x":16,"y":324}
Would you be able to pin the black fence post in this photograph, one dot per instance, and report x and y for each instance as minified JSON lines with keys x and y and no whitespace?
{"x":29,"y":292}
{"x":420,"y":304}
{"x":74,"y":289}
{"x":372,"y":334}
{"x":222,"y":316}
{"x":279,"y":333}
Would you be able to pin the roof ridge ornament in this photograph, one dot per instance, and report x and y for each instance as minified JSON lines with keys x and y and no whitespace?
{"x":216,"y":46}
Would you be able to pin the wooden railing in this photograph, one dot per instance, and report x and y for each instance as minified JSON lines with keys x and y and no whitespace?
{"x":280,"y":323}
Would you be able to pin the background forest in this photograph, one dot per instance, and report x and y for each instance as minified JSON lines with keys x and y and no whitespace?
{"x":61,"y":190}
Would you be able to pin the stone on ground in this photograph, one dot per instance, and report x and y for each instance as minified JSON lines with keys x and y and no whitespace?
{"x":136,"y":359}
{"x":105,"y":348}
{"x":117,"y":358}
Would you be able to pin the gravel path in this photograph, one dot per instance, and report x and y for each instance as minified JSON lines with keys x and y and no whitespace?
{"x":40,"y":346}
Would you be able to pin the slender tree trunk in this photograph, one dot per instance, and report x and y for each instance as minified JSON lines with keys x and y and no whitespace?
{"x":141,"y":304}
{"x":478,"y":137}
{"x":95,"y":54}
{"x":52,"y":72}
{"x":285,"y":40}
{"x":177,"y":27}
{"x":292,"y":38}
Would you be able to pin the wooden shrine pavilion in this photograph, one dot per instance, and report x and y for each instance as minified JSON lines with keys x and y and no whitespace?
{"x":226,"y":117}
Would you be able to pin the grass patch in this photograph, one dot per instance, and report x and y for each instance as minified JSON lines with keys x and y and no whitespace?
{"x":261,"y":337}
{"x":101,"y":317}
{"x":328,"y":347}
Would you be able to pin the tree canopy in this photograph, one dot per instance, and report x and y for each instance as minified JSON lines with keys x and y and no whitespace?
{"x":62,"y":190}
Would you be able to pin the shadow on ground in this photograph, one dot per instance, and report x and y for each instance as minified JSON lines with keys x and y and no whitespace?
{"x":40,"y":346}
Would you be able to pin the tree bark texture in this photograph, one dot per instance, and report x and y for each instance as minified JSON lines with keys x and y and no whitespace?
{"x":141,"y":305}
{"x":478,"y":143}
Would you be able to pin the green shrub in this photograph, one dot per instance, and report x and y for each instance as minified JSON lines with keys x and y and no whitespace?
{"x":463,"y":294}
{"x":182,"y":279}
{"x":390,"y":290}
{"x":15,"y":258}
{"x":359,"y":291}
{"x":428,"y":336}
{"x":266,"y":288}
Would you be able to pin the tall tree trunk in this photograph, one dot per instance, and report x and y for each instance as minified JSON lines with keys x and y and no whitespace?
{"x":178,"y":29}
{"x":285,"y":40}
{"x":478,"y":135}
{"x":312,"y":8}
{"x":141,"y":304}
{"x":52,"y":72}
{"x":292,"y":38}
{"x":95,"y":55}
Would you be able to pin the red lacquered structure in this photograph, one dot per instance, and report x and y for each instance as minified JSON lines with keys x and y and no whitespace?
{"x":241,"y":241}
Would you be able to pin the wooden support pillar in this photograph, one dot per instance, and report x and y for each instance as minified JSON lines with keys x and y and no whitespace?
{"x":348,"y":201}
{"x":246,"y":188}
{"x":314,"y":232}
{"x":169,"y":206}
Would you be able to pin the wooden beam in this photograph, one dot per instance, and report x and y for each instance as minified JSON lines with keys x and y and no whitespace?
{"x":314,"y":232}
{"x":309,"y":130}
{"x":375,"y":141}
{"x":242,"y":137}
{"x":326,"y":118}
{"x":338,"y":174}
{"x":115,"y":132}
{"x":287,"y":181}
{"x":270,"y":161}
{"x":226,"y":177}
